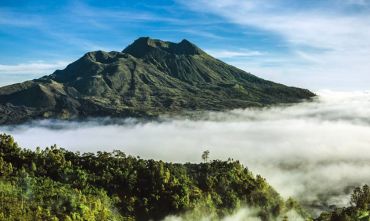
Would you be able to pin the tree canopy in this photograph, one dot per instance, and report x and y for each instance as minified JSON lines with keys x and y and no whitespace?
{"x":57,"y":184}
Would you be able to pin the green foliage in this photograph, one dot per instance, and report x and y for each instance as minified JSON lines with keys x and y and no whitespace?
{"x":56,"y":184}
{"x":205,"y":155}
{"x":361,"y":198}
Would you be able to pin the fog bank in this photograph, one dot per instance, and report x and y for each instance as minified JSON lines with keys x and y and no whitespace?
{"x":315,"y":151}
{"x":242,"y":214}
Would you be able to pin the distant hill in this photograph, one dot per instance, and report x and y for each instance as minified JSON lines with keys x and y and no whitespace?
{"x":147,"y":78}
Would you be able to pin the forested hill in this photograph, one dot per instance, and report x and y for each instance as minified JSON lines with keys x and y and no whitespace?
{"x":148,"y":78}
{"x":56,"y":184}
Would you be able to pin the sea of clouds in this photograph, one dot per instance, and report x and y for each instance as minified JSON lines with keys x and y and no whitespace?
{"x":314,"y":151}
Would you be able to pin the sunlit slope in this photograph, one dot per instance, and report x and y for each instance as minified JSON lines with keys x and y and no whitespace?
{"x":147,"y":78}
{"x":56,"y":184}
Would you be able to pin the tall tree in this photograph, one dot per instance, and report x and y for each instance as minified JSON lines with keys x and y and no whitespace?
{"x":205,"y":156}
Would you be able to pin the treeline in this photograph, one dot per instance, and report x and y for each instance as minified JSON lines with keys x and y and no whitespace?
{"x":56,"y":184}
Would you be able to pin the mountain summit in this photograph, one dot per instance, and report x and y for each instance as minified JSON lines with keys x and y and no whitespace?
{"x":148,"y":78}
{"x":145,"y":45}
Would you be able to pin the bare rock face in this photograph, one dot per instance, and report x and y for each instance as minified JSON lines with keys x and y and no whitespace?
{"x":148,"y":78}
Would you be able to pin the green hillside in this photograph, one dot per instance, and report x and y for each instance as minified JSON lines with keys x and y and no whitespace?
{"x":56,"y":184}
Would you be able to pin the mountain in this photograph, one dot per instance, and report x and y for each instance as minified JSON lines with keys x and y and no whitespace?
{"x":147,"y":78}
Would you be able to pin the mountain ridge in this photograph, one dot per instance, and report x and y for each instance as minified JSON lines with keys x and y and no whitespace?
{"x":148,"y":78}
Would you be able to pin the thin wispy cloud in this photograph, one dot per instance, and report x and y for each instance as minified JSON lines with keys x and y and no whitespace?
{"x":202,"y":33}
{"x":357,"y":2}
{"x":86,"y":11}
{"x":15,"y":18}
{"x":340,"y":37}
{"x":231,"y":54}
{"x":38,"y":67}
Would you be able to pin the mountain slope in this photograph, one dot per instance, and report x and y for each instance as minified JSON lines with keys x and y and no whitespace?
{"x":147,"y":78}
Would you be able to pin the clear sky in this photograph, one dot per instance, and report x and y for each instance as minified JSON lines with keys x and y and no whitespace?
{"x":317,"y":44}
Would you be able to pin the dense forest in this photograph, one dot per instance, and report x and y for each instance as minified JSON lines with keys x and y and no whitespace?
{"x":56,"y":184}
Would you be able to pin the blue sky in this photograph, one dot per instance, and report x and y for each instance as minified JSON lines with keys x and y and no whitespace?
{"x":316,"y":44}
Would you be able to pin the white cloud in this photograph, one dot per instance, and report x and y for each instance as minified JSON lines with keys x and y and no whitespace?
{"x":14,"y":18}
{"x":357,"y":2}
{"x":331,"y":40}
{"x":317,"y":28}
{"x":87,"y":14}
{"x":231,"y":54}
{"x":313,"y":151}
{"x":39,"y":67}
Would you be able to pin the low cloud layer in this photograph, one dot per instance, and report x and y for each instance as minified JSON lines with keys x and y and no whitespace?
{"x":239,"y":215}
{"x":316,"y":151}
